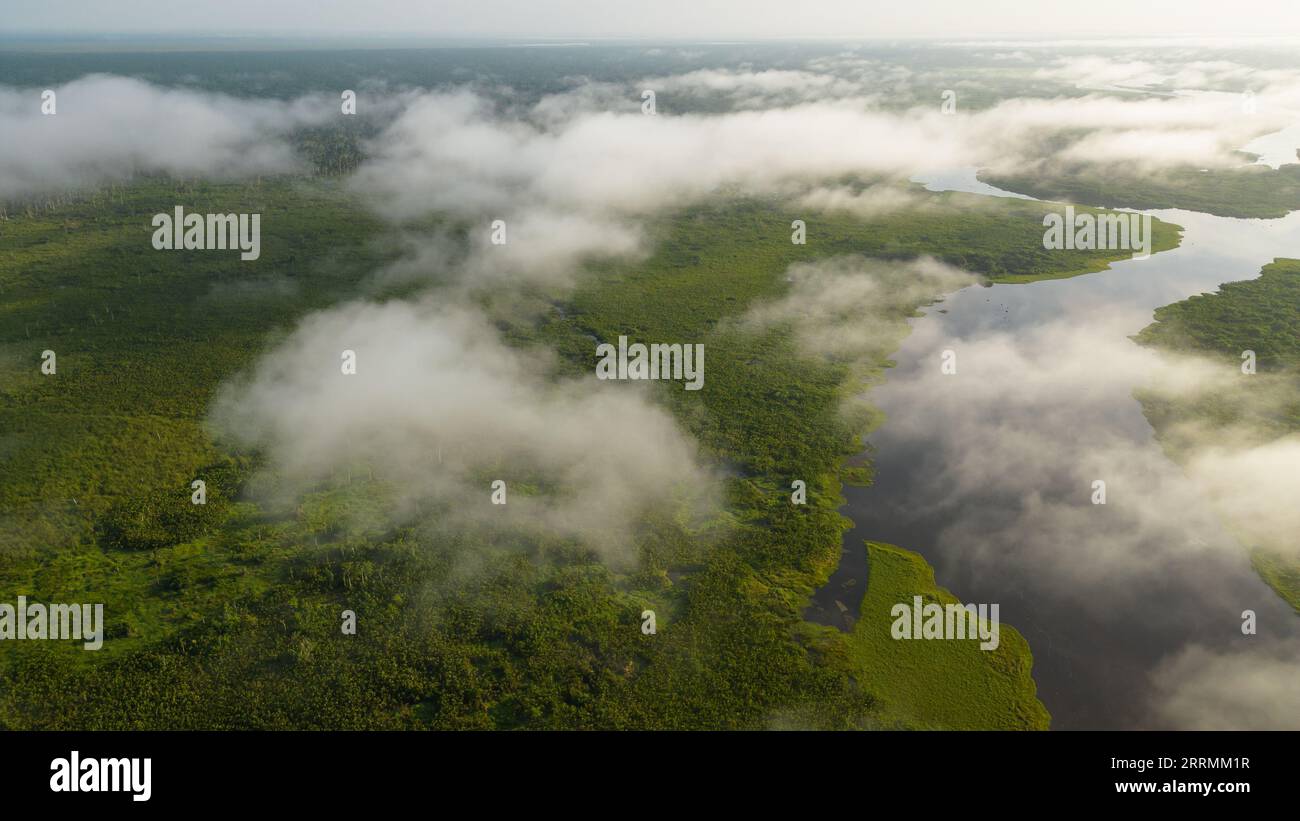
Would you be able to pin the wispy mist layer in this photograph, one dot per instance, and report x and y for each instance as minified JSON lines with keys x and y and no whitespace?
{"x":439,"y":408}
{"x":108,"y":129}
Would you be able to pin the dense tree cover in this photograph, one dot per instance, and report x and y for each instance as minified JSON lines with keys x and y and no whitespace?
{"x":1261,"y":315}
{"x":1245,"y":191}
{"x":230,"y":616}
{"x":516,"y":76}
{"x":157,"y":518}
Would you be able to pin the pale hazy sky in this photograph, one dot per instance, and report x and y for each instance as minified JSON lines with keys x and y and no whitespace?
{"x":665,"y":18}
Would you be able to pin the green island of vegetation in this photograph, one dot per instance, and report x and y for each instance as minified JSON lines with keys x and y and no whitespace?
{"x":942,"y":684}
{"x":1260,"y":315}
{"x":229,"y":617}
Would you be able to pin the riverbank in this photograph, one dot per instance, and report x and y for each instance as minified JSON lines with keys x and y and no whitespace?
{"x":1257,"y":411}
{"x":988,"y":474}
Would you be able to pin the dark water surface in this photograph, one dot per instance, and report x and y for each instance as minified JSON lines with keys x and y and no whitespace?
{"x":987,"y":474}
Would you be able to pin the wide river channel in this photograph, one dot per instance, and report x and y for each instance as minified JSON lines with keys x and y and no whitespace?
{"x":988,"y":474}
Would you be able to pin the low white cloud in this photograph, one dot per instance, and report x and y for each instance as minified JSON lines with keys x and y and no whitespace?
{"x":577,"y":172}
{"x":1034,"y":461}
{"x":864,"y":203}
{"x":439,"y":407}
{"x":108,"y":129}
{"x":1253,"y":688}
{"x":853,"y":308}
{"x":758,"y":89}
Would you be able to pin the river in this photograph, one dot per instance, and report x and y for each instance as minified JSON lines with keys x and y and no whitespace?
{"x":988,"y":474}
